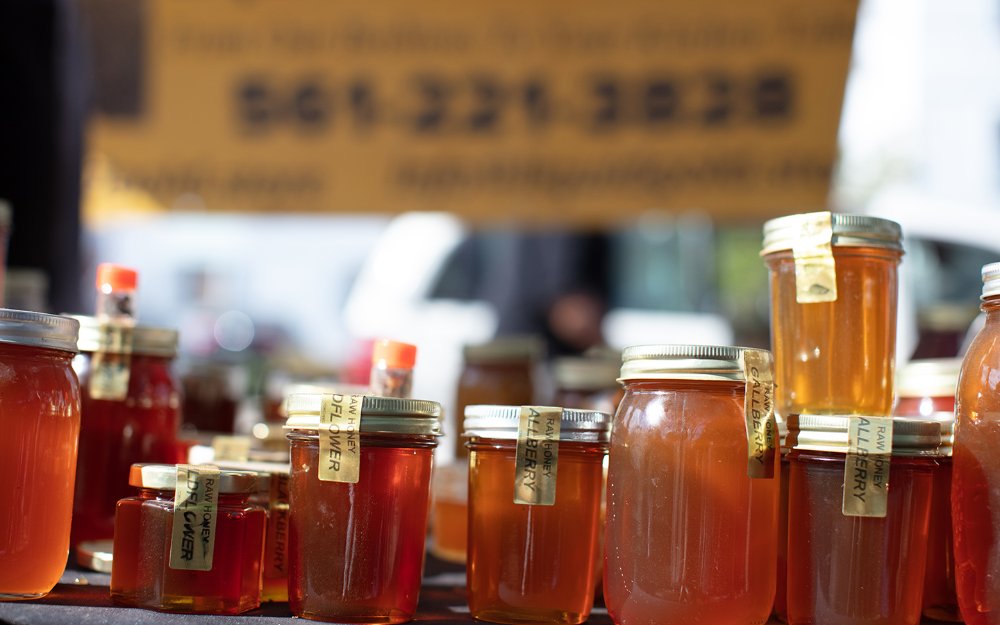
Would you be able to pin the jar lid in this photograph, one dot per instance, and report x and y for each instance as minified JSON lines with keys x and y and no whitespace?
{"x":991,"y":280}
{"x":34,"y":329}
{"x":146,"y":340}
{"x":504,"y":349}
{"x":910,"y":437}
{"x":848,"y":231}
{"x":486,"y":421}
{"x":6,"y":213}
{"x":683,"y":362}
{"x":264,"y":470}
{"x":164,"y":477}
{"x":933,"y":377}
{"x":586,"y":373}
{"x":379,"y":415}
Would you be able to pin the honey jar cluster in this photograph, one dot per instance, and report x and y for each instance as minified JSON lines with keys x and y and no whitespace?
{"x":812,"y":483}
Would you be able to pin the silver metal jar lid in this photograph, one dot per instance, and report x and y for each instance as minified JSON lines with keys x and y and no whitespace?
{"x":585,"y":373}
{"x":933,"y":377}
{"x":991,"y":280}
{"x":146,"y":340}
{"x":683,"y":362}
{"x":504,"y":349}
{"x":34,"y":329}
{"x":6,"y":214}
{"x":848,"y":231}
{"x":489,"y":421}
{"x":379,"y":415}
{"x":164,"y":477}
{"x":910,"y":437}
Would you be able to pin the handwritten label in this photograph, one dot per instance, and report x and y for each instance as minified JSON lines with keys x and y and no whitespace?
{"x":762,"y":428}
{"x":276,"y":555}
{"x":339,"y":440}
{"x":537,"y":455}
{"x":866,"y":469}
{"x":196,"y":504}
{"x":815,"y":270}
{"x":232,"y":448}
{"x":111,"y":365}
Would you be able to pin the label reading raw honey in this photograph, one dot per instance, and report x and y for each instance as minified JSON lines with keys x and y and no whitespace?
{"x":276,"y":558}
{"x":339,"y":438}
{"x":537,"y":455}
{"x":866,"y":469}
{"x":196,"y":504}
{"x":111,"y":365}
{"x":762,"y":428}
{"x":232,"y":448}
{"x":815,"y":270}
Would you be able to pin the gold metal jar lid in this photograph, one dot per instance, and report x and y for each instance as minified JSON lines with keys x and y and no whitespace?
{"x":586,"y":373}
{"x":847,"y":231}
{"x":504,"y":349}
{"x":379,"y":415}
{"x":146,"y":340}
{"x":933,"y":377}
{"x":492,"y":421}
{"x":684,"y":362}
{"x":164,"y":477}
{"x":34,"y":329}
{"x":911,"y":437}
{"x":991,"y":280}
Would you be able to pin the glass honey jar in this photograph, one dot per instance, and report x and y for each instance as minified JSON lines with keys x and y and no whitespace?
{"x":926,"y":390}
{"x":358,"y":502}
{"x":190,"y":541}
{"x":535,"y":481}
{"x":692,"y":519}
{"x":975,"y":502}
{"x":137,"y":425}
{"x":859,"y":499}
{"x":833,"y":282}
{"x":40,"y":420}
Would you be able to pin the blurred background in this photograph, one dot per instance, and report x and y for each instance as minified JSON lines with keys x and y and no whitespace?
{"x":117,"y":116}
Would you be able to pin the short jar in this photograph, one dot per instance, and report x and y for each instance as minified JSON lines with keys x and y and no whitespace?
{"x":534,"y":562}
{"x":858,"y":570}
{"x":833,"y":281}
{"x":691,"y":536}
{"x":144,"y":572}
{"x":356,"y":549}
{"x":138,"y":426}
{"x":926,"y":390}
{"x":40,"y":421}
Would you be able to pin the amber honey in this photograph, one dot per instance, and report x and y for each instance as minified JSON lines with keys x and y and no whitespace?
{"x":141,"y":574}
{"x":40,"y":420}
{"x":533,"y":563}
{"x":690,"y":537}
{"x":976,"y":467}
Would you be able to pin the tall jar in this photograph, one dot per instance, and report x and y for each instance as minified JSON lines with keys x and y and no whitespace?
{"x":975,"y":495}
{"x":926,"y":390}
{"x":40,"y":421}
{"x":358,"y":502}
{"x":138,"y":424}
{"x":535,"y":481}
{"x":848,"y":566}
{"x":691,"y":536}
{"x":833,"y":312}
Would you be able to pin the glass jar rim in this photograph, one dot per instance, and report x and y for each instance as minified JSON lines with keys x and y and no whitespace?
{"x":146,"y":340}
{"x":501,"y":422}
{"x":35,"y":329}
{"x":911,"y":437}
{"x":379,"y":415}
{"x":164,"y":477}
{"x":684,"y":362}
{"x":847,"y":230}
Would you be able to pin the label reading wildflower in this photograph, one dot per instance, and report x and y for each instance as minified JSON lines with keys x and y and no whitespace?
{"x":537,"y":455}
{"x":866,"y":469}
{"x":111,"y":365}
{"x":815,"y":270}
{"x":762,"y":428}
{"x":196,"y":504}
{"x":276,"y":557}
{"x":339,"y":441}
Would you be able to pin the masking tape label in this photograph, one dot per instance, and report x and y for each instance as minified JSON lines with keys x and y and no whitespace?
{"x":815,"y":269}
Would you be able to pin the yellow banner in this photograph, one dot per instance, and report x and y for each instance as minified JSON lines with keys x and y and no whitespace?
{"x":567,"y":112}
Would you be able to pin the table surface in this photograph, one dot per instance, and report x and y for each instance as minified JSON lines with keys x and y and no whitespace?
{"x":82,"y":597}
